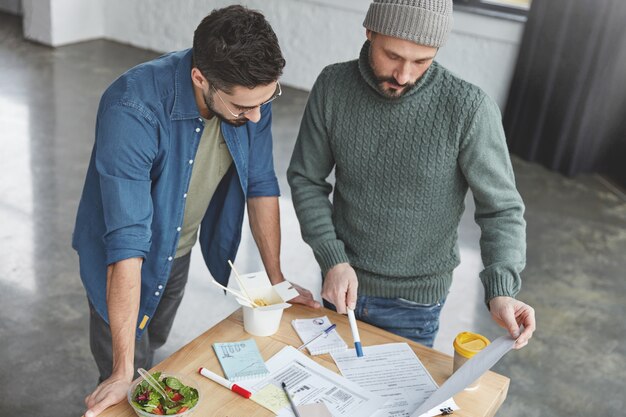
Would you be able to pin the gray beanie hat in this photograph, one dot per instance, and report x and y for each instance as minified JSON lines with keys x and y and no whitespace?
{"x":426,"y":22}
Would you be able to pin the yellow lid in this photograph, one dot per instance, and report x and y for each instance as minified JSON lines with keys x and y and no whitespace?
{"x":468,"y":344}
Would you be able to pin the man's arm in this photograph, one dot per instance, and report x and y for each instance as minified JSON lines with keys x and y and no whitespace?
{"x":126,"y":145}
{"x":123,"y":291}
{"x":485,"y":162}
{"x":311,"y":163}
{"x":264,"y":215}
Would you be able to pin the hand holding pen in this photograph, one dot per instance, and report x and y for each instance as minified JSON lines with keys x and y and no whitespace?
{"x":355,"y":333}
{"x":340,"y":288}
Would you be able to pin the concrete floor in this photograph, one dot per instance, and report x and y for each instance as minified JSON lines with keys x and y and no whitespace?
{"x":574,"y":366}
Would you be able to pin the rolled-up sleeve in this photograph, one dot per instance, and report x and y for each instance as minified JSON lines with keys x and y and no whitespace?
{"x":126,"y":146}
{"x":262,"y":181}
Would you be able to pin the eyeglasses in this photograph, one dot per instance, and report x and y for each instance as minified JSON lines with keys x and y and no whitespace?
{"x":277,"y":94}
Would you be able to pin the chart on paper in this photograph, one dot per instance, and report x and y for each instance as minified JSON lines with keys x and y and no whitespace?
{"x":309,"y":383}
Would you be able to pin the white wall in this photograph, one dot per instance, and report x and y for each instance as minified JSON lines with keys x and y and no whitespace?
{"x":77,"y":20}
{"x":315,"y":33}
{"x":38,"y":21}
{"x":312,"y":33}
{"x":60,"y":22}
{"x":483,"y":50}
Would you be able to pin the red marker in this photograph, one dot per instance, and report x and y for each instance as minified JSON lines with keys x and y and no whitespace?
{"x":225,"y":383}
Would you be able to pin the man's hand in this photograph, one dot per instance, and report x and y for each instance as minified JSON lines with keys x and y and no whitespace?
{"x":305,"y":297}
{"x":510,"y":314}
{"x":340,"y":287}
{"x":110,"y":392}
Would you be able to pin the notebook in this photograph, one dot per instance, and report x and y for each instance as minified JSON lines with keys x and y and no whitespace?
{"x":307,"y":329}
{"x":240,"y":360}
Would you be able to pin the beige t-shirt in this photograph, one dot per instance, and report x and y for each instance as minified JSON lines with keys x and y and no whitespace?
{"x":211,"y":162}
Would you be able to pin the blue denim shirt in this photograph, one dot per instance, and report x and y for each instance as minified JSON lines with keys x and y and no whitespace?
{"x":147,"y":133}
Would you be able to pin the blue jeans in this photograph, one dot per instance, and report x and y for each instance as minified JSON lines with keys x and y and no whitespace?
{"x":418,"y":322}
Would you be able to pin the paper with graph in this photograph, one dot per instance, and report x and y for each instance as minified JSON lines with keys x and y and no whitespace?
{"x":308,"y":383}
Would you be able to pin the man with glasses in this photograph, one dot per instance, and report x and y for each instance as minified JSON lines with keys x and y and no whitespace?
{"x":246,"y":110}
{"x":182,"y":143}
{"x":406,"y":139}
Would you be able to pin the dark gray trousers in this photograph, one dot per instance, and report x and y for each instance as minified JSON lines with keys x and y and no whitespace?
{"x":158,"y":329}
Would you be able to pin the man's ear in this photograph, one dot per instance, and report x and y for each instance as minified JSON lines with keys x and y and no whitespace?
{"x":369,"y":34}
{"x":198,"y":79}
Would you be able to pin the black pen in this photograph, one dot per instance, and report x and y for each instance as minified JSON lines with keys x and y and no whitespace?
{"x":293,"y":406}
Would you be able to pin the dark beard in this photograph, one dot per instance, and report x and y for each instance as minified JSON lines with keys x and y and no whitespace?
{"x":390,"y":93}
{"x":208,"y":101}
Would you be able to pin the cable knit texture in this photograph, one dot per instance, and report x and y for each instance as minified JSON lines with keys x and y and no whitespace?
{"x":402,"y":168}
{"x":427,"y":22}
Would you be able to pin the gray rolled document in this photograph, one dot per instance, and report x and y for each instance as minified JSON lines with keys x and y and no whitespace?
{"x":468,"y":373}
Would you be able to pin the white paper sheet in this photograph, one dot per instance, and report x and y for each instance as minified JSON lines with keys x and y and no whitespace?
{"x":314,"y":410}
{"x":309,"y":328}
{"x":308,"y":382}
{"x":394,"y":372}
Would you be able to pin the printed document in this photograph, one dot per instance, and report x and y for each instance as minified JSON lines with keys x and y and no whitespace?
{"x":393,"y":372}
{"x":308,"y":383}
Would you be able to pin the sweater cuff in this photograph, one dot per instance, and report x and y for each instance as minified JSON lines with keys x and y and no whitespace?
{"x":329,"y":254}
{"x":499,"y":283}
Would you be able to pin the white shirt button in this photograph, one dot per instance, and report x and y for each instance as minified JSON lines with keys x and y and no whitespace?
{"x":190,"y":161}
{"x":160,"y":287}
{"x":197,"y":129}
{"x":157,"y":293}
{"x":170,"y":259}
{"x":185,"y":195}
{"x":178,"y":229}
{"x":200,"y":119}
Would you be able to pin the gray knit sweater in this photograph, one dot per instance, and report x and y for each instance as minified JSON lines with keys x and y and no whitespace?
{"x":402,"y":169}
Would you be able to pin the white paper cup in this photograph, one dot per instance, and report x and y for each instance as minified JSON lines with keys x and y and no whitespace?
{"x":262,"y":321}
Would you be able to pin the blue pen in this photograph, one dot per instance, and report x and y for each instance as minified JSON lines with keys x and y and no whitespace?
{"x":355,"y":333}
{"x":325,"y":332}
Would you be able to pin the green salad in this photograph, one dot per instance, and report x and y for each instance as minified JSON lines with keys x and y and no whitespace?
{"x":181,"y":396}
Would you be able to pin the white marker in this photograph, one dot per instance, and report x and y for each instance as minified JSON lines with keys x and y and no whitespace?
{"x":224,"y":382}
{"x":355,"y":333}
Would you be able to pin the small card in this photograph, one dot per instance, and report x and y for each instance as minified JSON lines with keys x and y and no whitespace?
{"x":240,"y":360}
{"x":307,"y":329}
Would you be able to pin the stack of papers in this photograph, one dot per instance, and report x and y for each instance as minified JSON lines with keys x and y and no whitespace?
{"x":388,"y":381}
{"x":309,"y":382}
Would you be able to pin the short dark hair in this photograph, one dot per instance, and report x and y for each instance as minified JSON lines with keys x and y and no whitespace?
{"x":237,"y":46}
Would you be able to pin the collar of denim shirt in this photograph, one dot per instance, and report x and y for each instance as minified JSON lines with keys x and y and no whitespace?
{"x":185,"y":106}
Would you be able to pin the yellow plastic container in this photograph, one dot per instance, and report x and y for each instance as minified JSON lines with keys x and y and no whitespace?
{"x":466,"y":345}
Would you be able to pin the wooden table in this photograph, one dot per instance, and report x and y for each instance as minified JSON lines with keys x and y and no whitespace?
{"x":219,"y":402}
